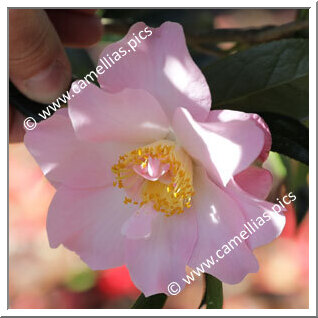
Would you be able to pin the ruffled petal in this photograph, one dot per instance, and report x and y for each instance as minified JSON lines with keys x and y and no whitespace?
{"x":225,"y":149}
{"x":269,"y":217}
{"x":131,"y":115}
{"x":66,"y":160}
{"x":162,"y":65}
{"x":219,"y":221}
{"x":255,"y":181}
{"x":230,"y":115}
{"x":63,"y":158}
{"x":160,"y":259}
{"x":89,"y":222}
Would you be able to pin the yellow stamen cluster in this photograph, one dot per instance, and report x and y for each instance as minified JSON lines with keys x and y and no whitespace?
{"x":169,"y":198}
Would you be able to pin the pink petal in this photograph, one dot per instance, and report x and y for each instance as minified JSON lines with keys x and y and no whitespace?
{"x":89,"y":222}
{"x":162,"y":65}
{"x":225,"y":149}
{"x":65,"y":159}
{"x":131,"y":115}
{"x":219,"y":221}
{"x":253,"y":208}
{"x":139,"y":225}
{"x":255,"y":181}
{"x":157,"y":261}
{"x":229,"y":115}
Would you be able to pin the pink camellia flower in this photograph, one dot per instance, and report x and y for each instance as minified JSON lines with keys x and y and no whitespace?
{"x":147,"y":176}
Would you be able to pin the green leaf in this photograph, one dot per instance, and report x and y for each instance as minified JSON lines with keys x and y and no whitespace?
{"x":81,"y":62}
{"x":81,"y":281}
{"x":297,"y":172}
{"x":303,"y":14}
{"x":152,"y":302}
{"x":269,"y":77}
{"x":289,"y":136}
{"x":297,"y":180}
{"x":213,"y":297}
{"x":111,"y":37}
{"x":277,"y":165}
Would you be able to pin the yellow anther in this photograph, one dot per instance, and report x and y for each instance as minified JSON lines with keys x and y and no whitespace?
{"x":144,"y":164}
{"x":169,"y":198}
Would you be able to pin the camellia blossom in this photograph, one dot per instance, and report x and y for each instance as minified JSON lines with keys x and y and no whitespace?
{"x":148,"y":177}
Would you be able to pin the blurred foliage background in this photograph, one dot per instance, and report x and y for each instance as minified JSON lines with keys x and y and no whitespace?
{"x":255,"y":61}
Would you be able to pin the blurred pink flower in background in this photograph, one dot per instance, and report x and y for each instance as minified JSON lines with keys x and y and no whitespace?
{"x":282,"y":281}
{"x":116,"y":282}
{"x":186,"y":184}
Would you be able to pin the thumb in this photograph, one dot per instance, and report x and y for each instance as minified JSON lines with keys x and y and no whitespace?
{"x":38,"y":65}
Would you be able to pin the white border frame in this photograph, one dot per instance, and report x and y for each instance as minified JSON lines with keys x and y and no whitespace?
{"x":312,"y":188}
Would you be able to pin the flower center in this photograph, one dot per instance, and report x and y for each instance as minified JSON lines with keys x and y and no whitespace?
{"x":159,"y":173}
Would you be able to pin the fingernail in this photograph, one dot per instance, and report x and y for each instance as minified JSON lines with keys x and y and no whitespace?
{"x":48,"y":84}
